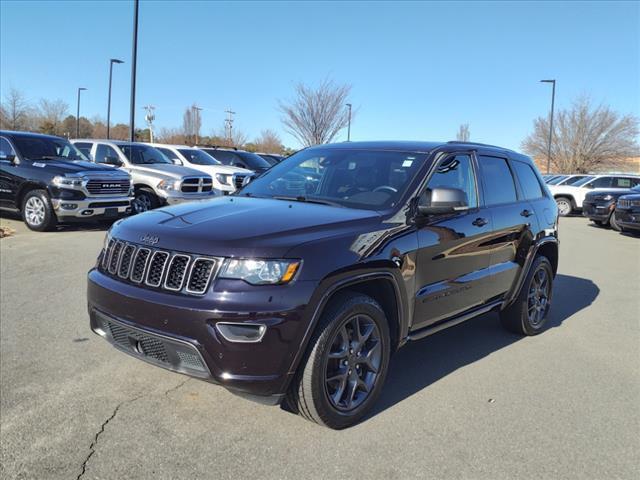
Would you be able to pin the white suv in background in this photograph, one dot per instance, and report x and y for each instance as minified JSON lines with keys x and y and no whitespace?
{"x":570,"y":197}
{"x":225,"y":177}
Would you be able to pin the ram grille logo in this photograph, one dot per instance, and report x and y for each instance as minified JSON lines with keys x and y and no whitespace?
{"x":111,"y":185}
{"x":149,"y":239}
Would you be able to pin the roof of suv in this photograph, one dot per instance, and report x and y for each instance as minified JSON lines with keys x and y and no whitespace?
{"x":14,"y":133}
{"x":104,"y":140}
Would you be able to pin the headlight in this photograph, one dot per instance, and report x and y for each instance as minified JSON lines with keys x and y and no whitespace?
{"x":260,"y":272}
{"x":223,"y":178}
{"x":169,"y":185}
{"x":607,"y":197}
{"x":62,"y":181}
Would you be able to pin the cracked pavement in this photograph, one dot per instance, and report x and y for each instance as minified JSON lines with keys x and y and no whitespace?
{"x":472,"y":402}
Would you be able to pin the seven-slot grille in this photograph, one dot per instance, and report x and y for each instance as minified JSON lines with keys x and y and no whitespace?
{"x":197,"y":184}
{"x":108,"y":187}
{"x":239,"y":180}
{"x":156,"y":268}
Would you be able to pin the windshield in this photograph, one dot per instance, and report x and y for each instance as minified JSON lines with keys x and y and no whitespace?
{"x":253,"y":161}
{"x":557,"y":180}
{"x":143,"y":154}
{"x":371,"y":180}
{"x":44,"y":148}
{"x":198,"y":157}
{"x":582,"y":181}
{"x":575,"y":180}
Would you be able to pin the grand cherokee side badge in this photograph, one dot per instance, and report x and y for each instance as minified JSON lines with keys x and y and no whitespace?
{"x":149,"y":239}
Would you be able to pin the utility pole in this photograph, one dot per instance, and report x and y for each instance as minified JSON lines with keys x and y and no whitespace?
{"x":149,"y":118}
{"x":553,"y":99}
{"x":349,"y":124}
{"x":196,"y":120}
{"x":78,"y":113}
{"x":134,"y":61}
{"x":229,"y":124}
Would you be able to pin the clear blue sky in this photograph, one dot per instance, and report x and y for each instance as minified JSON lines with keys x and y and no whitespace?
{"x":418,"y":70}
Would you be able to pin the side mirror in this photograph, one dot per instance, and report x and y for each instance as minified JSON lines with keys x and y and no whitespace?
{"x":9,"y":157}
{"x":443,"y":200}
{"x":115,"y":161}
{"x":589,"y":186}
{"x":177,"y":161}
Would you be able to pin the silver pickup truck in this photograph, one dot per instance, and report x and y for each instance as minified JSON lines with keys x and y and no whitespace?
{"x":157,"y":181}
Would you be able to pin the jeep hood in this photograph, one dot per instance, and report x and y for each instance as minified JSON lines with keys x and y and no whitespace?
{"x":244,"y":227}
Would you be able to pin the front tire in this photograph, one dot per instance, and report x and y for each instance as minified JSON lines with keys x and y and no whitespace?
{"x":37,"y":211}
{"x":565,"y":206}
{"x":145,"y":199}
{"x":344,"y":371}
{"x":528,"y":314}
{"x":613,"y":222}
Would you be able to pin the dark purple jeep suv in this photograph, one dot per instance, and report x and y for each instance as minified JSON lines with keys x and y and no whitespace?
{"x":302,"y":285}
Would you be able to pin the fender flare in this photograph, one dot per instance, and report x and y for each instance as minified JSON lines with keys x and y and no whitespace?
{"x":26,"y":187}
{"x":515,"y":292}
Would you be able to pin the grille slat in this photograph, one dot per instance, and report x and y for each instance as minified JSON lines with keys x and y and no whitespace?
{"x":196,"y":184}
{"x":171,"y":271}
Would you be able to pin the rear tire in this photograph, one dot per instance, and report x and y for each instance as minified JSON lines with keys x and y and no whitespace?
{"x":565,"y":206}
{"x":37,"y":211}
{"x":527,"y":315}
{"x":598,"y":222}
{"x":344,"y":370}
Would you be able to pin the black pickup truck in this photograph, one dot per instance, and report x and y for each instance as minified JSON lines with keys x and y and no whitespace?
{"x":48,"y":180}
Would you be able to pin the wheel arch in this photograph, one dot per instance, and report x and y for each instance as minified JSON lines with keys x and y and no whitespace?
{"x":26,"y":188}
{"x":567,"y":196}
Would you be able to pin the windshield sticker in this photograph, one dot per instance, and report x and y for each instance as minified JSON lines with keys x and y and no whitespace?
{"x":38,"y":164}
{"x":407,"y":163}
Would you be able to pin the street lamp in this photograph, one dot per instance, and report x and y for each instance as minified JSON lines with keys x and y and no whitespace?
{"x":349,"y":124}
{"x":553,"y":99}
{"x":134,"y":61}
{"x":78,"y":113}
{"x":111,"y":62}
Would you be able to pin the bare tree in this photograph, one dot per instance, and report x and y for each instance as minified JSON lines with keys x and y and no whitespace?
{"x":585,"y":138}
{"x":191,"y":123}
{"x":463,"y":134}
{"x":316,"y":115}
{"x":268,"y":141}
{"x":15,"y":110}
{"x":51,"y":114}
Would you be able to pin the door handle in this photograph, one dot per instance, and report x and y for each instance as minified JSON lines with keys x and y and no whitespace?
{"x":480,"y":222}
{"x":526,"y":213}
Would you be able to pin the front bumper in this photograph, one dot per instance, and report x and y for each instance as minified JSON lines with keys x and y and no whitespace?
{"x":175,"y":198}
{"x":261,"y":370}
{"x":598,"y":211}
{"x":628,"y":218}
{"x":92,"y":207}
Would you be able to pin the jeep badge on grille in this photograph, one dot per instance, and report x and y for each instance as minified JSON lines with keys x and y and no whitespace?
{"x":149,"y":239}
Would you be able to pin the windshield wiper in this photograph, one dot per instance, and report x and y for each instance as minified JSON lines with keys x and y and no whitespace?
{"x":302,"y":198}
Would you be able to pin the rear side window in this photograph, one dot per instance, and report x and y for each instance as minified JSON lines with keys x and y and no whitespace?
{"x":499,"y":186}
{"x":103,"y":152}
{"x":85,"y":148}
{"x":602,"y":182}
{"x":622,"y":182}
{"x":528,"y":180}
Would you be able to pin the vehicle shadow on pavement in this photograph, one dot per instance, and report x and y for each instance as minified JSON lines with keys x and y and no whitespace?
{"x":419,"y":364}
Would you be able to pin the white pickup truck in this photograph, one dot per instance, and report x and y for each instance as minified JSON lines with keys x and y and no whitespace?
{"x":570,"y":197}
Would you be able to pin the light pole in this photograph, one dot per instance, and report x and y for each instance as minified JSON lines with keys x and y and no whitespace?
{"x":196,"y":120}
{"x":134,"y":59}
{"x":111,"y":62}
{"x":349,"y":124}
{"x":78,"y":113}
{"x":553,"y":99}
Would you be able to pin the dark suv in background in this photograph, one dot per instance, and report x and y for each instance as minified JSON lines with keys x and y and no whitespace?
{"x":300,"y":286}
{"x":238,"y":158}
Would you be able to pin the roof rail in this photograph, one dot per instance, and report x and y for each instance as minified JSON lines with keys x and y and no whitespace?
{"x":479,"y":144}
{"x":216,"y":146}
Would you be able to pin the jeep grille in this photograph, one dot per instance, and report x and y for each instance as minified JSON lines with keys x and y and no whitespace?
{"x":159,"y":269}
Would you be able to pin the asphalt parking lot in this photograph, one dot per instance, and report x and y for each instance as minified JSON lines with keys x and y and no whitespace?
{"x":471,"y":402}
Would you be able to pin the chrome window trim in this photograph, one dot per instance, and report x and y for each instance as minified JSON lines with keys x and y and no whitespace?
{"x":164,"y":267}
{"x":186,"y":271}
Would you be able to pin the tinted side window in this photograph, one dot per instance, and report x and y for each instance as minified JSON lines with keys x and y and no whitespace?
{"x":499,"y":186}
{"x":5,"y":148}
{"x":602,"y":182}
{"x":224,"y":156}
{"x":528,"y":180}
{"x":623,"y":182}
{"x":85,"y":148}
{"x":456,"y":172}
{"x":104,"y":151}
